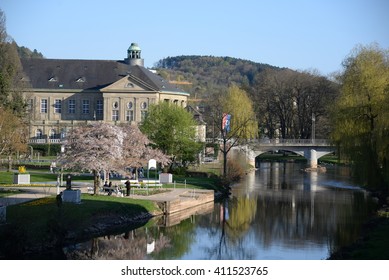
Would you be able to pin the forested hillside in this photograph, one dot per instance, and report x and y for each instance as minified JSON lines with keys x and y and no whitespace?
{"x":288,"y":104}
{"x":209,"y":73}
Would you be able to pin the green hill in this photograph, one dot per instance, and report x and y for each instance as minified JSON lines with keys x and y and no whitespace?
{"x":200,"y":75}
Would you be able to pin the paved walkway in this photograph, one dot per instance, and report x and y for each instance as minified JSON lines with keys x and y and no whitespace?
{"x":31,"y":193}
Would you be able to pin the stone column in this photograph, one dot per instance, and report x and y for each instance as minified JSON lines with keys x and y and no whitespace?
{"x":250,"y":156}
{"x":312,"y":158}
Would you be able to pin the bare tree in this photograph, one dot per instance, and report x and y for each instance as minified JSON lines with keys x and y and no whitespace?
{"x":13,"y":135}
{"x":287,"y":103}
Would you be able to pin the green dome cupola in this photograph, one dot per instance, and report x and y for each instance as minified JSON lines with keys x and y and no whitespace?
{"x":134,"y":55}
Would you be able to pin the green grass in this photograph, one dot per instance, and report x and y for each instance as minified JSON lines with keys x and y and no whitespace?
{"x":194,"y":183}
{"x":7,"y":177}
{"x":209,"y":167}
{"x":281,"y":157}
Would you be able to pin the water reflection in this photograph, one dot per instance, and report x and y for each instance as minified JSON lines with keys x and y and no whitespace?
{"x":278,"y":212}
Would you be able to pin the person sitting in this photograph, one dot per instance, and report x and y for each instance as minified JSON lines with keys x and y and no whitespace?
{"x":109,"y":188}
{"x":118,"y":190}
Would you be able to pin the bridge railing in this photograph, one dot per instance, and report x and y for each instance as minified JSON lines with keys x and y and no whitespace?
{"x":290,"y":142}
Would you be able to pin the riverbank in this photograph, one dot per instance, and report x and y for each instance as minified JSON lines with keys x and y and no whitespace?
{"x":37,"y":224}
{"x":373,"y":243}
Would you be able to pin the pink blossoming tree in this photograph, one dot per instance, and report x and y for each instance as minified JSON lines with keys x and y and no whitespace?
{"x":101,"y":147}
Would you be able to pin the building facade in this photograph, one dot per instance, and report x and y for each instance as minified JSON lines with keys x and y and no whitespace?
{"x":64,"y":93}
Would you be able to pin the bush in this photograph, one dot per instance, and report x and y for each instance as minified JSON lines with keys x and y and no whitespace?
{"x":235,"y":171}
{"x":47,"y":149}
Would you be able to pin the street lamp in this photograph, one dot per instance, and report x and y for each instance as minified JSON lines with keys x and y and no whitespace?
{"x":60,"y":174}
{"x":313,"y":128}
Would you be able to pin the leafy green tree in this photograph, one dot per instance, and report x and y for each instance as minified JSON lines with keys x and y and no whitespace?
{"x":361,"y":114}
{"x":172,"y":130}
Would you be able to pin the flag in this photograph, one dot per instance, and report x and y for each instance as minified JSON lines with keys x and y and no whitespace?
{"x":226,"y":122}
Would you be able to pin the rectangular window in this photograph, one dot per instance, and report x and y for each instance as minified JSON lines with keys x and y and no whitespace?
{"x":30,"y":105}
{"x":99,"y":107}
{"x":85,"y":106}
{"x":72,"y":106}
{"x":115,"y":115}
{"x":57,"y":106}
{"x":143,"y":115}
{"x":43,"y":105}
{"x":129,"y":115}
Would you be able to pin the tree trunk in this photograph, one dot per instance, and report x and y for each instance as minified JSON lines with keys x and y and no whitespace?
{"x":96,"y":181}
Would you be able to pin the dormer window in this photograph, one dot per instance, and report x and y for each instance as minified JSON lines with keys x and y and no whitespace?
{"x":53,"y":79}
{"x":80,"y":80}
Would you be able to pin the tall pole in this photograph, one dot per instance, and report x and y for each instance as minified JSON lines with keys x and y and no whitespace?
{"x":62,"y":151}
{"x":313,"y":128}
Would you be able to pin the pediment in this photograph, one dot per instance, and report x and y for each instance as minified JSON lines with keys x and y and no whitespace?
{"x":126,"y":84}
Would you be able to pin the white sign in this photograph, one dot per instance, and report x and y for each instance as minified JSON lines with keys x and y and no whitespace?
{"x":152,"y":163}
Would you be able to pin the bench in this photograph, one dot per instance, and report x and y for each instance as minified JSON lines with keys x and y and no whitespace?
{"x":152,"y":183}
{"x":134,"y":183}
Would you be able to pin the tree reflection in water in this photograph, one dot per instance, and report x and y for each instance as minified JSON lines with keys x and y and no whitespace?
{"x":278,"y":212}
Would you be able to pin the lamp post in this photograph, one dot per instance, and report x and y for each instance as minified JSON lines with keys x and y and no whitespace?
{"x":62,"y":151}
{"x":313,"y":128}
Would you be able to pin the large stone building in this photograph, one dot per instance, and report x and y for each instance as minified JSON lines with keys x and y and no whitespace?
{"x":64,"y":93}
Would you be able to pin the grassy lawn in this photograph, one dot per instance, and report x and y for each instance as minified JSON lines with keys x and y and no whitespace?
{"x":193,"y":183}
{"x":7,"y":177}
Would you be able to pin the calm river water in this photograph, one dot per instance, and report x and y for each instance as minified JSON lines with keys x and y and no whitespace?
{"x":277,"y":212}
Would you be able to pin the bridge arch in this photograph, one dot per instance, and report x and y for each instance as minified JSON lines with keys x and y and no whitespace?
{"x":311,"y":149}
{"x":311,"y":155}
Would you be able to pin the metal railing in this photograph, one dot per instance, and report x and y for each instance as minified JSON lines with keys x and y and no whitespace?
{"x":45,"y":141}
{"x":292,"y":142}
{"x":282,"y":142}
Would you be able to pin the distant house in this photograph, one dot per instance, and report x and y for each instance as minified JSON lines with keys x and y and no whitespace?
{"x":63,"y":93}
{"x":201,"y":125}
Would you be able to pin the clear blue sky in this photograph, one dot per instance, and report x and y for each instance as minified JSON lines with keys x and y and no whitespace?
{"x":299,"y":34}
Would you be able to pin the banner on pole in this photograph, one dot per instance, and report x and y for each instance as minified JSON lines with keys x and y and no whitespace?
{"x":226,"y":122}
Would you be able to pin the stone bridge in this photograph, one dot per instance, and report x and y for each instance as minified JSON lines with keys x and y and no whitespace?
{"x":311,"y":149}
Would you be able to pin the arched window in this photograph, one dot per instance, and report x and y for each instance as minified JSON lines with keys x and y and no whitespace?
{"x":63,"y":133}
{"x":39,"y":134}
{"x":52,"y":133}
{"x":143,"y":105}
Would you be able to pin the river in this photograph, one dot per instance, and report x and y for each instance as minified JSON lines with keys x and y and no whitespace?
{"x":277,"y":212}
